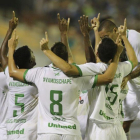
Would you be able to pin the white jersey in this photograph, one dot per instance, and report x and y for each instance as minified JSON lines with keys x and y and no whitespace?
{"x":134,"y":39}
{"x":22,"y":109}
{"x":58,"y":99}
{"x":83,"y":110}
{"x":107,"y":106}
{"x":3,"y":105}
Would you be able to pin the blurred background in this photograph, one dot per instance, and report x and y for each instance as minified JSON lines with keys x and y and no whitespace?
{"x":38,"y":16}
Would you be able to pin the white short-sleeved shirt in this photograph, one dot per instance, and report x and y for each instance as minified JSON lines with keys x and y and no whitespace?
{"x":107,"y":105}
{"x":22,"y":106}
{"x":58,"y":99}
{"x":3,"y":101}
{"x":134,"y":39}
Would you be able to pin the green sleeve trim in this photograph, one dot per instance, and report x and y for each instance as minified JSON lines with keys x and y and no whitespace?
{"x":73,"y":63}
{"x":131,"y":64}
{"x":95,"y":81}
{"x":80,"y":72}
{"x":24,"y":75}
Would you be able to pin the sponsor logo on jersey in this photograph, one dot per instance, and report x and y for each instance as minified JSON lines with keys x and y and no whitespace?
{"x":104,"y":115}
{"x":16,"y":121}
{"x":108,"y":106}
{"x":15,"y":132}
{"x":58,"y":119}
{"x":62,"y":126}
{"x":57,"y":81}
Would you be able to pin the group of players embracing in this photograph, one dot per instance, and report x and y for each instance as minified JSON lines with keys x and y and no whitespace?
{"x":41,"y":103}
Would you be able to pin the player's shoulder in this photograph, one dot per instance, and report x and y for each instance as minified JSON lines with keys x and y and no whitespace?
{"x":96,"y":65}
{"x":133,"y":35}
{"x":131,"y":31}
{"x":123,"y":64}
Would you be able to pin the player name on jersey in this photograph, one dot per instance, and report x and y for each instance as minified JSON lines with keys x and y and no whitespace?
{"x":18,"y":84}
{"x":57,"y":81}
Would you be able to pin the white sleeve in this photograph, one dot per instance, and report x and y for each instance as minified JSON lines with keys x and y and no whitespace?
{"x":91,"y":69}
{"x":134,"y":39}
{"x":126,"y":67}
{"x":87,"y":82}
{"x":31,"y":75}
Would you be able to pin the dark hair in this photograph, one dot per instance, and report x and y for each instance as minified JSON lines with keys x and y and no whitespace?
{"x":22,"y":56}
{"x":60,"y":50}
{"x":107,"y":25}
{"x":106,"y":18}
{"x":107,"y":50}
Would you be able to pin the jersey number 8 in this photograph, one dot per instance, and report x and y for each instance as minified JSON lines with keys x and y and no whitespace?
{"x":56,"y":102}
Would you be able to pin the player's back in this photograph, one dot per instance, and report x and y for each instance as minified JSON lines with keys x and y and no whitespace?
{"x":22,"y":109}
{"x":58,"y":100}
{"x":21,"y":96}
{"x":107,"y":105}
{"x":3,"y":105}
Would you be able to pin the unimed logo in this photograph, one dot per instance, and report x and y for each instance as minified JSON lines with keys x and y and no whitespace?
{"x":15,"y":132}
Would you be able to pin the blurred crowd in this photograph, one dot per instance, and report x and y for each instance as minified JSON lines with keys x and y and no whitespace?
{"x":37,"y":16}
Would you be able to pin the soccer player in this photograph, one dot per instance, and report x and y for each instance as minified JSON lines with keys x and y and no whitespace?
{"x":3,"y":104}
{"x":87,"y":98}
{"x":21,"y":116}
{"x":109,"y":97}
{"x":132,"y":101}
{"x":58,"y":93}
{"x":4,"y":86}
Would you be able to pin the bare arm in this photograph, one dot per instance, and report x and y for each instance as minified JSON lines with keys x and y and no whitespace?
{"x":4,"y":48}
{"x":73,"y":71}
{"x":13,"y":70}
{"x":95,"y":24}
{"x":130,"y":51}
{"x":130,"y":76}
{"x":64,"y":27}
{"x":85,"y":29}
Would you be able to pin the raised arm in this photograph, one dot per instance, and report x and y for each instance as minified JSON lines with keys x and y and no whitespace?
{"x":95,"y":25}
{"x":85,"y":29}
{"x":108,"y":76}
{"x":130,"y":51}
{"x":4,"y":48}
{"x":13,"y":70}
{"x":72,"y":70}
{"x":64,"y":27}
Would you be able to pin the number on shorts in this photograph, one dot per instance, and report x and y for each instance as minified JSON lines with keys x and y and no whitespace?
{"x":18,"y":104}
{"x":112,"y":96}
{"x":56,"y":102}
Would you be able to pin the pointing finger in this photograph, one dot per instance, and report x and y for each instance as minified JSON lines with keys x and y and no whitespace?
{"x":46,"y":35}
{"x":68,"y":21}
{"x":58,"y":17}
{"x":98,"y":17}
{"x":125,"y":22}
{"x":13,"y":15}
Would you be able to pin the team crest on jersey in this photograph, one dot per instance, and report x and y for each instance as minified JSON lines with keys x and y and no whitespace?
{"x":57,"y":74}
{"x":81,"y":101}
